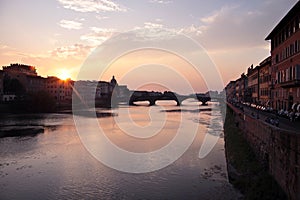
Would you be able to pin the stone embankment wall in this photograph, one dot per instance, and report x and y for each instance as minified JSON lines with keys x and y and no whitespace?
{"x":278,"y":150}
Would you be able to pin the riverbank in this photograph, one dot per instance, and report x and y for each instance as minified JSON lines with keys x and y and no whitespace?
{"x":245,"y":172}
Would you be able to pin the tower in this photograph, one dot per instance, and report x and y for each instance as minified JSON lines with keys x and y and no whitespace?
{"x":113,"y":82}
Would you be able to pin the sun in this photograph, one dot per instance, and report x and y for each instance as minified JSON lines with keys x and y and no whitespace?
{"x":64,"y":74}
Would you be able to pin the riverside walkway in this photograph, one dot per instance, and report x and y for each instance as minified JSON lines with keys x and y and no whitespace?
{"x":284,"y":123}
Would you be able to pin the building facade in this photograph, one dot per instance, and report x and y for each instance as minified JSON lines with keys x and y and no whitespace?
{"x":60,"y":90}
{"x":241,"y":86}
{"x":253,"y":85}
{"x":264,"y":82}
{"x":22,"y":80}
{"x":26,"y":76}
{"x":20,"y":69}
{"x":230,"y":90}
{"x":275,"y":83}
{"x":285,"y":53}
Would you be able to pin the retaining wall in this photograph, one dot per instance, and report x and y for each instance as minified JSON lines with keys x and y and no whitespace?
{"x":277,"y":149}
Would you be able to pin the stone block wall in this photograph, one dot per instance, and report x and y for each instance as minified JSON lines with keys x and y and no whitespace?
{"x":277,"y":149}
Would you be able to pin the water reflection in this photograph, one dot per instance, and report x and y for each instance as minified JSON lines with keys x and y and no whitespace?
{"x":55,"y":164}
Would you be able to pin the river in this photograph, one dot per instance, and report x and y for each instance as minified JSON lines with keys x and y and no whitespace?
{"x":56,"y":164}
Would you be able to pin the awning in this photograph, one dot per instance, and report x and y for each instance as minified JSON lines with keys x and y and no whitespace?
{"x":294,"y":106}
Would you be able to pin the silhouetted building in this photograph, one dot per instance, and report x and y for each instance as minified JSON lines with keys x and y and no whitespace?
{"x":123,"y":91}
{"x":285,"y":52}
{"x":1,"y":83}
{"x":253,"y":86}
{"x":24,"y":77}
{"x":60,"y":90}
{"x":264,"y":82}
{"x":240,"y":88}
{"x":21,"y":81}
{"x":35,"y":84}
{"x":104,"y":89}
{"x":20,"y":69}
{"x":230,"y":90}
{"x":101,"y":91}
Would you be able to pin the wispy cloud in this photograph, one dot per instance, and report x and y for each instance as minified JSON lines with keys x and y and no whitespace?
{"x":99,"y":17}
{"x":192,"y":30}
{"x":68,"y":24}
{"x":150,"y":25}
{"x":234,"y":24}
{"x":217,"y":14}
{"x":76,"y":50}
{"x":97,"y":36}
{"x":161,"y":1}
{"x":92,"y":5}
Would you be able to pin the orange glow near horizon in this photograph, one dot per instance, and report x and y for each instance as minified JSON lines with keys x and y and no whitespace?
{"x":137,"y":68}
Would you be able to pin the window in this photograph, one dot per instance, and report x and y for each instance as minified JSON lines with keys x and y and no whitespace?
{"x":294,"y":26}
{"x":289,"y":30}
{"x":297,"y":72}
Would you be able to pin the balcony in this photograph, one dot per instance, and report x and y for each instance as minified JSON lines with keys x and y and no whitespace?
{"x":290,"y":84}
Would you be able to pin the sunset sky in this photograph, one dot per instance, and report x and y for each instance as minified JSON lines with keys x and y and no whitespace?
{"x":57,"y":36}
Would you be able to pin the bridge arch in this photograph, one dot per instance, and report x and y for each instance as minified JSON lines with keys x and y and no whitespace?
{"x":153,"y":97}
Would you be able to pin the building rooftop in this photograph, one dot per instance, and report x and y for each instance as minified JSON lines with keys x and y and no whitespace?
{"x":284,"y":21}
{"x":21,"y":68}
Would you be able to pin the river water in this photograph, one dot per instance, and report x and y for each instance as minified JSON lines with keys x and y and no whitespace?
{"x":56,"y":165}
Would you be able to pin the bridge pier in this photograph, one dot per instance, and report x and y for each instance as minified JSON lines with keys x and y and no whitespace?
{"x":151,"y":102}
{"x":204,"y":103}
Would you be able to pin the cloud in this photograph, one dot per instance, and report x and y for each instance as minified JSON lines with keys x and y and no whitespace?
{"x":234,"y":27}
{"x":68,"y":24}
{"x":66,"y":56}
{"x":217,"y":14}
{"x":161,"y":1}
{"x":99,"y":17}
{"x":192,"y":30}
{"x":97,"y":36}
{"x":2,"y":46}
{"x":92,"y":5}
{"x":150,"y":25}
{"x":76,"y":51}
{"x":209,"y":19}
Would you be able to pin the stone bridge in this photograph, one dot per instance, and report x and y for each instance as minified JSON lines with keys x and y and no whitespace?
{"x":152,"y":97}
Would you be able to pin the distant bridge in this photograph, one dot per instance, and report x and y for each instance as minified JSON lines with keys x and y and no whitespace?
{"x":152,"y":97}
